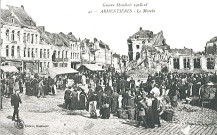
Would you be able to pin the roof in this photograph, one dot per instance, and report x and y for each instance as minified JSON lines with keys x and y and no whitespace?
{"x":143,"y":34}
{"x":52,"y":72}
{"x":214,"y":39}
{"x":116,"y":55}
{"x":92,"y":67}
{"x":182,"y":51}
{"x":72,"y":37}
{"x":22,"y":16}
{"x":65,"y":38}
{"x":54,"y":38}
{"x":9,"y":68}
{"x":103,"y":45}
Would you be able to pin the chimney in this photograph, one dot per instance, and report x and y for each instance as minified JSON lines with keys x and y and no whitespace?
{"x":95,"y":40}
{"x":140,"y":28}
{"x":42,"y":28}
{"x":22,"y":7}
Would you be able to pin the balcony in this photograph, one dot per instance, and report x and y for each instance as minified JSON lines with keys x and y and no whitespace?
{"x":13,"y":42}
{"x":60,"y":59}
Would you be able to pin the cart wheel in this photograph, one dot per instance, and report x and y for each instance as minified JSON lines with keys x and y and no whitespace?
{"x":19,"y":124}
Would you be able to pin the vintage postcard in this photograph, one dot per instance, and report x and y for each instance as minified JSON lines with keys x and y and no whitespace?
{"x":108,"y":67}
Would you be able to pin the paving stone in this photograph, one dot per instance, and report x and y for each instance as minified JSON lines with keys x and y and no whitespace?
{"x":46,"y":112}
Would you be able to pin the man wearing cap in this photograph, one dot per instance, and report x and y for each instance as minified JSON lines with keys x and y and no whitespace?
{"x":15,"y":101}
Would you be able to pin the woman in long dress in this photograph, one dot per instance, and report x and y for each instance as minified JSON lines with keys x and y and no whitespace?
{"x":105,"y":110}
{"x":115,"y":97}
{"x":83,"y":100}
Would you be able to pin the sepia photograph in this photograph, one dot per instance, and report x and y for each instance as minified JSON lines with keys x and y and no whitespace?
{"x":108,"y":67}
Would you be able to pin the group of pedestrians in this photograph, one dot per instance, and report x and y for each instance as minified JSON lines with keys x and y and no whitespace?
{"x":29,"y":85}
{"x":108,"y":93}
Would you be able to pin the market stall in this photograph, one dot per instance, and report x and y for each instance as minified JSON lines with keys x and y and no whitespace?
{"x":55,"y":71}
{"x":90,"y":67}
{"x":7,"y":70}
{"x":61,"y":75}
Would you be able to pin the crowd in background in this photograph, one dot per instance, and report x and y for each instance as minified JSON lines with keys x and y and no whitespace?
{"x":112,"y":92}
{"x":108,"y":93}
{"x":32,"y":85}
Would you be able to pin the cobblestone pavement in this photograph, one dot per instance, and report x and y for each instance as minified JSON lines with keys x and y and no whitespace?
{"x":44,"y":116}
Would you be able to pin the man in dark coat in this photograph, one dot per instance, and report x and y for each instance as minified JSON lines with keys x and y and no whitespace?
{"x":74,"y":99}
{"x":98,"y":88}
{"x":67,"y":98}
{"x":15,"y":101}
{"x":11,"y":86}
{"x":83,"y":100}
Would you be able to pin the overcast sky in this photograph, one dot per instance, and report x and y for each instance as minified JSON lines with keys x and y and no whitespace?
{"x":184,"y":23}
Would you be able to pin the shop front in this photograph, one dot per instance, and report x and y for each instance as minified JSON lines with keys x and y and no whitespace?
{"x":30,"y":66}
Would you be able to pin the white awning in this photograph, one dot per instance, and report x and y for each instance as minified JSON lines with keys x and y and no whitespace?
{"x":92,"y":67}
{"x":9,"y":68}
{"x":52,"y":72}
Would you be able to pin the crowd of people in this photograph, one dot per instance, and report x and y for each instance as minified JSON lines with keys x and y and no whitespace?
{"x":115,"y":93}
{"x":32,"y":85}
{"x":109,"y":93}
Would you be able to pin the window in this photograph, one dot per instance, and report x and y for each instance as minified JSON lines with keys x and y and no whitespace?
{"x":137,"y":36}
{"x":48,"y":53}
{"x":176,"y":63}
{"x":24,"y":52}
{"x":7,"y":35}
{"x":48,"y":64}
{"x":45,"y":53}
{"x":62,"y":54}
{"x":32,"y":39}
{"x":40,"y":65}
{"x":12,"y":20}
{"x":137,"y":46}
{"x":28,"y":52}
{"x":36,"y":39}
{"x":12,"y":35}
{"x":44,"y":65}
{"x":137,"y":55}
{"x":186,"y":63}
{"x":28,"y":38}
{"x":12,"y":51}
{"x":18,"y":35}
{"x":18,"y":51}
{"x":7,"y":51}
{"x":32,"y":53}
{"x":66,"y":54}
{"x":40,"y":53}
{"x":24,"y":37}
{"x":71,"y":55}
{"x":36,"y":52}
{"x":58,"y":54}
{"x":197,"y":63}
{"x":210,"y":63}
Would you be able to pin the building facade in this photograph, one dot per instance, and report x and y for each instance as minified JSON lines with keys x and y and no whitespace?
{"x":30,"y":48}
{"x":193,"y":63}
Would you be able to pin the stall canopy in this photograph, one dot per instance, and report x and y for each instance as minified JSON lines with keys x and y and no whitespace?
{"x":9,"y":68}
{"x":52,"y":72}
{"x":92,"y":67}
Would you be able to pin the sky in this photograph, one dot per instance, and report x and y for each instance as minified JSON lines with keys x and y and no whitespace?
{"x":184,"y":23}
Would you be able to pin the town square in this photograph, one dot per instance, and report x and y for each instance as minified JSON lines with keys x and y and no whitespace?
{"x":57,"y":82}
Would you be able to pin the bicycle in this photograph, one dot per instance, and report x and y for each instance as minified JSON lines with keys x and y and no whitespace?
{"x":19,"y":124}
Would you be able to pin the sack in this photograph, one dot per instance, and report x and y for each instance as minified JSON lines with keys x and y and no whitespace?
{"x":142,"y":113}
{"x":105,"y":106}
{"x":93,"y":114}
{"x":167,"y":115}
